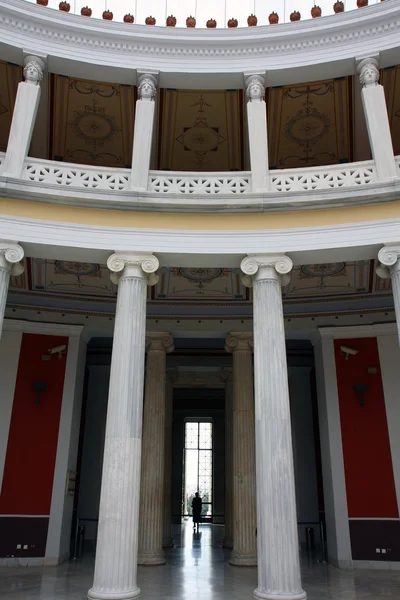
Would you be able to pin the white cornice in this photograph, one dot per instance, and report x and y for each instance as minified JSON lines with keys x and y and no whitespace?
{"x":226,"y":248}
{"x":358,"y":331}
{"x":43,"y":328}
{"x":76,"y":45}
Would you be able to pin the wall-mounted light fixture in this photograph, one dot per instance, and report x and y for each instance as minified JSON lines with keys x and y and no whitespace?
{"x":361,"y":389}
{"x":38,"y":387}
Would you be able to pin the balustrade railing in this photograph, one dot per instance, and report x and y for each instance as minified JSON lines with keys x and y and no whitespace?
{"x":323,"y":178}
{"x":199,"y":183}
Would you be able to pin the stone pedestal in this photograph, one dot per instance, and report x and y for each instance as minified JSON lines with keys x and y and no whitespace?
{"x":244,"y":551}
{"x":167,"y":535}
{"x":143,"y":134}
{"x":228,"y":537}
{"x":24,"y":117}
{"x":10,"y":256}
{"x":277,"y":539}
{"x":151,"y":514}
{"x":115,"y":576}
{"x":257,"y":126}
{"x":389,"y":257}
{"x":377,"y":120}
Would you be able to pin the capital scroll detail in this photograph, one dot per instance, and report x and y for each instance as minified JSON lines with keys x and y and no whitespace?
{"x":146,"y":265}
{"x":254,"y":265}
{"x":389,"y":260}
{"x":11,"y":255}
{"x":159,"y":341}
{"x":239,"y":341}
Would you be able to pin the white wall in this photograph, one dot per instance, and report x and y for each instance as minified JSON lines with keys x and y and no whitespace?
{"x":93,"y":447}
{"x":10,"y":346}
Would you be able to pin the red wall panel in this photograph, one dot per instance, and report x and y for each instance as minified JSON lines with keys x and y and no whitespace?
{"x":32,"y":442}
{"x":366,"y":448}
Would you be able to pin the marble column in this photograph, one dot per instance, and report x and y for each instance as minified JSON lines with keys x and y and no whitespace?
{"x":143,"y":133}
{"x":257,"y":126}
{"x":10,"y":256}
{"x":24,"y":117}
{"x":167,"y":535}
{"x":115,"y":574}
{"x":277,"y":539}
{"x":377,"y":120}
{"x":151,"y":513}
{"x":244,"y":551}
{"x":228,"y":537}
{"x":389,"y":259}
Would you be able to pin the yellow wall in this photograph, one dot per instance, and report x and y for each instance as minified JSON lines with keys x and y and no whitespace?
{"x":192,"y":221}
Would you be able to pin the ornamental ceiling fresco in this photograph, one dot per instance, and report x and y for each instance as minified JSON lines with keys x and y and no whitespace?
{"x":197,"y":286}
{"x":10,"y":76}
{"x":390,"y":79}
{"x":92,"y":122}
{"x":201,"y":130}
{"x":309,"y":124}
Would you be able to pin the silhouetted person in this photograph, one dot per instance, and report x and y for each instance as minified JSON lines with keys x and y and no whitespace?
{"x":196,"y":510}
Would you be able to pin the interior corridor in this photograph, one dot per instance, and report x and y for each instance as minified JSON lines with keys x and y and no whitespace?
{"x":197,"y":569}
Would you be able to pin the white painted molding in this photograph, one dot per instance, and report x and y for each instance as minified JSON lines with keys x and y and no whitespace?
{"x":304,"y":245}
{"x":358,"y":331}
{"x":44,"y":328}
{"x":312,"y":49}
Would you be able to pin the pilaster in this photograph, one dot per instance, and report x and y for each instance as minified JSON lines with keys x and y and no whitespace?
{"x":257,"y":128}
{"x":151,"y":513}
{"x":376,"y":116}
{"x":11,"y":255}
{"x":244,"y":551}
{"x":115,"y":576}
{"x":277,"y":539}
{"x":169,"y":394}
{"x":389,"y":266}
{"x":143,"y":133}
{"x":24,"y":116}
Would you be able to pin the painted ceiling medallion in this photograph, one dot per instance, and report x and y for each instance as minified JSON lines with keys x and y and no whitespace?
{"x":93,"y":125}
{"x":200,"y":138}
{"x":77,"y":268}
{"x":200,"y":274}
{"x":323,"y":270}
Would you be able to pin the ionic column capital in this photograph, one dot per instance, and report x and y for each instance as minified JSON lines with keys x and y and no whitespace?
{"x":34,"y":67}
{"x":239,"y":341}
{"x":10,"y":256}
{"x":255,"y":86}
{"x":389,"y":260}
{"x":266,"y":266}
{"x":147,"y":85}
{"x":133,"y":264}
{"x":163,"y":342}
{"x":368,"y":71}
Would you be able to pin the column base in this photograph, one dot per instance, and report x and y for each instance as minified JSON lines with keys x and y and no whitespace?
{"x":284,"y":596}
{"x":168,"y":542}
{"x":243,"y":560}
{"x":151,"y":559}
{"x":131,"y":595}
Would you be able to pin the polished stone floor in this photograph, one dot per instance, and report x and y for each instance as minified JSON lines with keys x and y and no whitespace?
{"x":197,"y":569}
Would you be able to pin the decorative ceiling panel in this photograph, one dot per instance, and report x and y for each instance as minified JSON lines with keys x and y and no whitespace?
{"x":92,"y":122}
{"x":390,"y":79}
{"x":10,"y":76}
{"x":309,"y":124}
{"x":201,"y":131}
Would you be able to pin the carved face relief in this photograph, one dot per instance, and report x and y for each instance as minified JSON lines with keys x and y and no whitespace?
{"x":147,"y":89}
{"x":33,"y":73}
{"x":255,"y":90}
{"x":369,"y":75}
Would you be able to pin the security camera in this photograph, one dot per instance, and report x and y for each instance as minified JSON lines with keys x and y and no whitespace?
{"x":58,"y":349}
{"x":346,"y":351}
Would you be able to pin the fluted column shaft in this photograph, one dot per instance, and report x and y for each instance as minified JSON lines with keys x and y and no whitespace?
{"x":277,"y":540}
{"x":389,"y":257}
{"x":228,"y":537}
{"x":151,"y":512}
{"x":167,"y":535}
{"x":10,"y":257}
{"x":115,"y":576}
{"x":244,"y":551}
